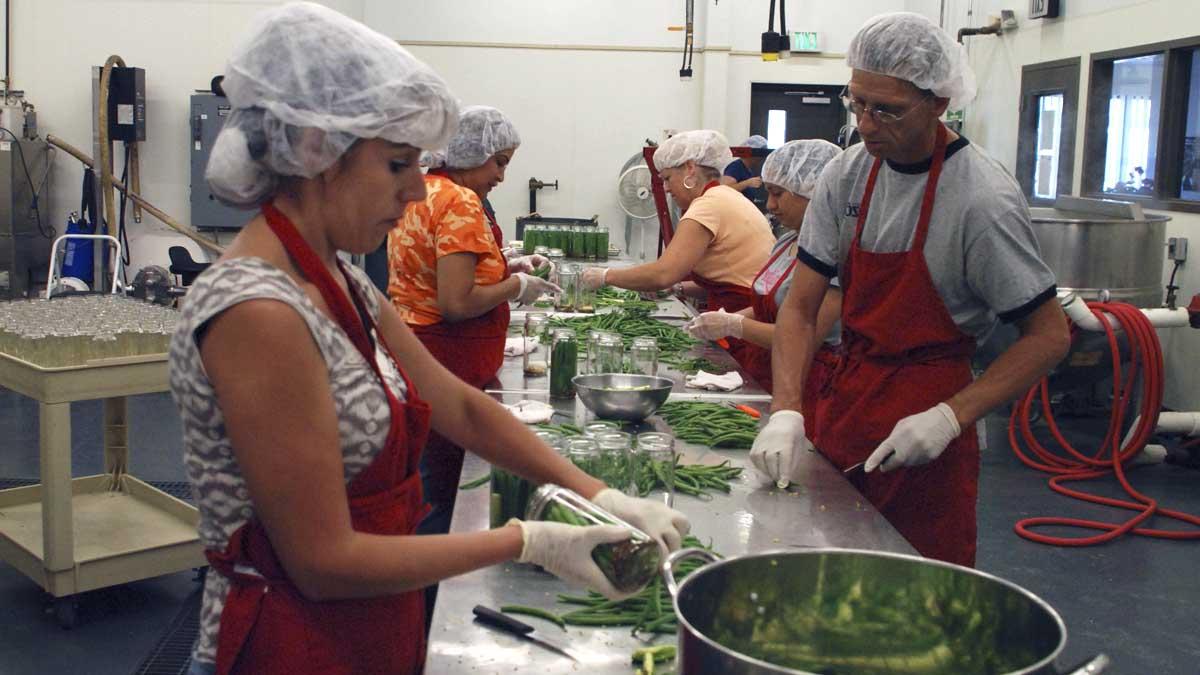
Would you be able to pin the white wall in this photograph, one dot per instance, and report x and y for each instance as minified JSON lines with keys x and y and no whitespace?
{"x":1087,"y":27}
{"x":607,"y":78}
{"x":180,"y":43}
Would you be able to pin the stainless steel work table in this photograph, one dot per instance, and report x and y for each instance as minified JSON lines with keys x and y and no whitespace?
{"x":820,"y":510}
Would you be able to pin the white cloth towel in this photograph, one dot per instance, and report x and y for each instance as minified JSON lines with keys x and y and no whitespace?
{"x":727,"y":382}
{"x":517,"y":346}
{"x":531,"y":412}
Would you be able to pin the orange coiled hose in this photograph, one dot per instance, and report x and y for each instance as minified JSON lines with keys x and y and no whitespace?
{"x":1147,"y":361}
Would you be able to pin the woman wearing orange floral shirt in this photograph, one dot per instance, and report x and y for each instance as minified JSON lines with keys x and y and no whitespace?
{"x":450,"y":280}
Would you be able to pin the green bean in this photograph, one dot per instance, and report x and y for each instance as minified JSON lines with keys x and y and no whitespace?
{"x":710,"y":424}
{"x":535,"y":612}
{"x":649,"y":611}
{"x":629,"y":323}
{"x":472,"y":484}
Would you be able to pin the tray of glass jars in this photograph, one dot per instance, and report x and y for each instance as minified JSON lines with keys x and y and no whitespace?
{"x":82,"y":331}
{"x":579,"y":242}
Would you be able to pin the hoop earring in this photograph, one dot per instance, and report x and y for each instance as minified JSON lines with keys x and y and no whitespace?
{"x":689,"y":187}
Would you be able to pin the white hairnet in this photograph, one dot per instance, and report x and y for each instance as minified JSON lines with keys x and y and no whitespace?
{"x":910,"y":47}
{"x":433,"y":159}
{"x":702,"y":146}
{"x":482,"y":132}
{"x":796,"y":165}
{"x":304,"y":85}
{"x":755,"y":141}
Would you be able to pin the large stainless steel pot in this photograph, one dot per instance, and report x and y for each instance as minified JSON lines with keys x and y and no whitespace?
{"x":1103,"y":250}
{"x":839,"y":611}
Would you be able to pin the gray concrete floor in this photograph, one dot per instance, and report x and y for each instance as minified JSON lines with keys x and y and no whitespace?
{"x":1135,"y":599}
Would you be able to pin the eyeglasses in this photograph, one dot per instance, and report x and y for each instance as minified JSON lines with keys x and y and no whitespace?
{"x":884,"y":117}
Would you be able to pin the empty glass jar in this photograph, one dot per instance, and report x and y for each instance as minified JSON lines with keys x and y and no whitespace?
{"x":643,"y":356}
{"x":536,"y":361}
{"x":610,"y":354}
{"x":568,"y":281}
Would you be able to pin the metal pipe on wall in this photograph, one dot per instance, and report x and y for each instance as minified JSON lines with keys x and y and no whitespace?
{"x":137,"y":198}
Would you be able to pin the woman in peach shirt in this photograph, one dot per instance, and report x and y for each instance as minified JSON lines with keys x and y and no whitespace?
{"x":720,"y":243}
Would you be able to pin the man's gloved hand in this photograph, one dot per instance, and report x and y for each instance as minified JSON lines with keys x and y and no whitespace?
{"x":527,"y":263}
{"x":715,"y":325}
{"x":593,"y":277}
{"x":777,"y":450}
{"x":566,"y":552}
{"x":917,"y":439}
{"x":532,"y":288}
{"x":656,"y":519}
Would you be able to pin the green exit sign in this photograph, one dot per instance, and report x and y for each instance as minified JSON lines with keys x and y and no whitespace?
{"x":805,"y":41}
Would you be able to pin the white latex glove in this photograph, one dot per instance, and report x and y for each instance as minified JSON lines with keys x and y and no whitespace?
{"x":527,"y":263}
{"x":917,"y":439}
{"x":566,"y":552}
{"x":777,"y":451}
{"x":715,"y":325}
{"x":663,"y":523}
{"x":532,"y":288}
{"x":593,"y":277}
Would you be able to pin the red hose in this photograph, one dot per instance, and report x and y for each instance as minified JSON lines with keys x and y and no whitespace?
{"x":1147,"y":360}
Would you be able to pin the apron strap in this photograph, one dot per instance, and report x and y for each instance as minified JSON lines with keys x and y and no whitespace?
{"x":344,"y":313}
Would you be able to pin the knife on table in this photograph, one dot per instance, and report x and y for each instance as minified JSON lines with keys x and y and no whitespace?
{"x":520,"y":629}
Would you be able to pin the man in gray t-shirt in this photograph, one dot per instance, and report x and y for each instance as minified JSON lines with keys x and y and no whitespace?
{"x":932,"y":244}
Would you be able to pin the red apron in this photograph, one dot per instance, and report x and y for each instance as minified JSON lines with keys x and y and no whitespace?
{"x":731,"y":298}
{"x":474,"y":351}
{"x":766,"y":309}
{"x":267,"y":626}
{"x":903,"y":354}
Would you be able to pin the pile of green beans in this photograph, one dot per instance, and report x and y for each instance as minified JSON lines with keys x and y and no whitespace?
{"x":690,"y":479}
{"x":609,"y":296}
{"x":564,"y":429}
{"x":650,"y":611}
{"x":693,"y":365}
{"x":629,"y":324}
{"x":709,"y":424}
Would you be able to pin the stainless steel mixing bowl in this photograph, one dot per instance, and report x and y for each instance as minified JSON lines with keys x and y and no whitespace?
{"x":617,"y":396}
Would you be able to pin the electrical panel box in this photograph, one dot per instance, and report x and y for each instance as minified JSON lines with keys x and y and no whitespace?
{"x":207,"y":117}
{"x":25,"y":231}
{"x":127,"y":104}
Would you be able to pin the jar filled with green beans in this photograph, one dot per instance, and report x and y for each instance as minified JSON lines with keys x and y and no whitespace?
{"x":616,"y":460}
{"x":654,"y":466}
{"x":578,"y":243}
{"x":564,"y":357}
{"x":629,"y":565}
{"x":601,"y":243}
{"x":590,"y":237}
{"x":510,"y":492}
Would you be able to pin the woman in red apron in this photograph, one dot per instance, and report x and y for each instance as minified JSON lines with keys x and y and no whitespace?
{"x":452,"y":283}
{"x":306,"y":400}
{"x":790,"y":174}
{"x":721,"y":242}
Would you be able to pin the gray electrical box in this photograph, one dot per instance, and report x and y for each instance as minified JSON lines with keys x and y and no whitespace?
{"x":24,"y":242}
{"x":207,"y":118}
